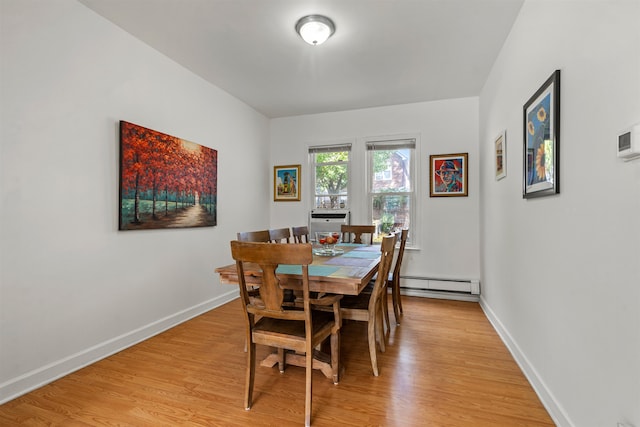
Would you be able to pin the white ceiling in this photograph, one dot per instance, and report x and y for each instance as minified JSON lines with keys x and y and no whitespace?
{"x":384,"y":52}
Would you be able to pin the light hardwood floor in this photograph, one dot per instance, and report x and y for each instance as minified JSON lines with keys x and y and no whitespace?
{"x":444,"y":366}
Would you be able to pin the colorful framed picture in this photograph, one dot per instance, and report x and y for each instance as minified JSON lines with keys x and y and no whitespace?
{"x":165,"y":181}
{"x":448,"y":175}
{"x":541,"y":154}
{"x":500,"y":155}
{"x":286,"y":183}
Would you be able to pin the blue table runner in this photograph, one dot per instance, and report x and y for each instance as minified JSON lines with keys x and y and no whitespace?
{"x":362,"y":254}
{"x":314,"y":270}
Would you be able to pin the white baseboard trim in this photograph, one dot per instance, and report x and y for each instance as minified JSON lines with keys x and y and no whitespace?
{"x":557,"y":413}
{"x":447,"y":284}
{"x":36,"y":378}
{"x":427,"y":293}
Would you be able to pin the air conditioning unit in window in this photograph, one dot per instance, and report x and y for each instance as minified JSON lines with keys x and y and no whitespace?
{"x":629,"y":143}
{"x":327,"y":220}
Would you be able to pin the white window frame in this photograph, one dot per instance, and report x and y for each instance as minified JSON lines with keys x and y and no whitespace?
{"x":389,"y":143}
{"x":312,"y":167}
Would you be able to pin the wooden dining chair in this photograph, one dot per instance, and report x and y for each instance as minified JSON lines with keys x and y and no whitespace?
{"x":279,"y":235}
{"x":367,"y":307}
{"x":254,"y":236}
{"x":393,"y":281}
{"x":300,"y":234}
{"x":261,"y":236}
{"x":297,"y":329}
{"x":393,"y":284}
{"x":357,"y":231}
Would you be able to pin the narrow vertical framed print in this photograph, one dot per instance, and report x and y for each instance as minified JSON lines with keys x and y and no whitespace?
{"x":541,"y":153}
{"x":500,"y":155}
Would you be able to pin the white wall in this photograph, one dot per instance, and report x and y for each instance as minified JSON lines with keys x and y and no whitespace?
{"x":447,"y":230}
{"x":72,"y":287}
{"x":561,"y":274}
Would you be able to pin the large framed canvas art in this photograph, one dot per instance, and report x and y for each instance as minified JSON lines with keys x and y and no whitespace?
{"x":165,"y":181}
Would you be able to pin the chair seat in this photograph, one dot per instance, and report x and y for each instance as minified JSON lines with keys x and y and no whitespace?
{"x":367,"y":289}
{"x":360,"y":302}
{"x":291,"y":333}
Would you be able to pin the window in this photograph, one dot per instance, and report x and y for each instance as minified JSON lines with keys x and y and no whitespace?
{"x":330,"y":166}
{"x":391,"y":186}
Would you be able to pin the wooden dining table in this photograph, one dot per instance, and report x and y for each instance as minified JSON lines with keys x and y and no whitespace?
{"x":346,"y":273}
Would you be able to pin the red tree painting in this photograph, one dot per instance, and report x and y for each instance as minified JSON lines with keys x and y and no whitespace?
{"x":165,"y":182}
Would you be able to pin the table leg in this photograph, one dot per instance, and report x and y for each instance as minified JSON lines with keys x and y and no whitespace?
{"x":321,"y":361}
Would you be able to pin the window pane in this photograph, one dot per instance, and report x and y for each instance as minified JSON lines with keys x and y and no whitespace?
{"x":331,"y":202}
{"x":390,"y":212}
{"x":333,"y":156}
{"x":392,"y":170}
{"x":330,"y":165}
{"x":331,"y":179}
{"x":391,"y":192}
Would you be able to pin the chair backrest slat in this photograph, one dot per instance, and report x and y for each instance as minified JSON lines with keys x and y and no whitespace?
{"x":357,"y":231}
{"x":403,"y":242}
{"x":254,"y":236}
{"x":387,"y":248}
{"x":279,"y":235}
{"x":268,"y":256}
{"x":300,"y":234}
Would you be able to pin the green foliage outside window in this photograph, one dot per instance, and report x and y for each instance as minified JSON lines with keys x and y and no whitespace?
{"x":332,"y":179}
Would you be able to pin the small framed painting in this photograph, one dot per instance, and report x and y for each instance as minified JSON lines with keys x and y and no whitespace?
{"x":500,"y":154}
{"x":542,"y":140}
{"x":286,"y":183}
{"x":448,"y":175}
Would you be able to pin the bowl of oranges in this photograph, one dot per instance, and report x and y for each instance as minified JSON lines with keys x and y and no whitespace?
{"x":327,"y":241}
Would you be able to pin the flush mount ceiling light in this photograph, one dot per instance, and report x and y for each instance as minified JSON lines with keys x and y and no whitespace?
{"x":315,"y":29}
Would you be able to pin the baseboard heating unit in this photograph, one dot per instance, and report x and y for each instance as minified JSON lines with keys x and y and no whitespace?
{"x":459,"y":289}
